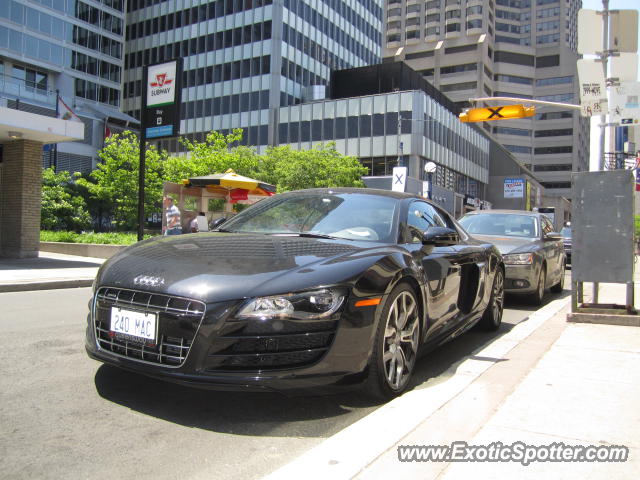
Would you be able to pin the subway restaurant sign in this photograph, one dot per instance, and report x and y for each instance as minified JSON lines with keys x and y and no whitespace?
{"x":161,"y":109}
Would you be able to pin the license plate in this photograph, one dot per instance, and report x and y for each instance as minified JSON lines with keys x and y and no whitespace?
{"x":140,"y":326}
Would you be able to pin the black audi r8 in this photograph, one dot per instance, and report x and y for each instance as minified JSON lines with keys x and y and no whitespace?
{"x":319,"y":289}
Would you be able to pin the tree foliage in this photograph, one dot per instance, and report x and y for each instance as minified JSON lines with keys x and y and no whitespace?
{"x":62,"y":207}
{"x":115,"y":181}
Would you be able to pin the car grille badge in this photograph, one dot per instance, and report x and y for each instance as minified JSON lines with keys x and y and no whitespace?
{"x":148,"y":281}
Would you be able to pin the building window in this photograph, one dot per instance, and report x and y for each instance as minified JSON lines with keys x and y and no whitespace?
{"x":412,"y":22}
{"x":553,"y":115}
{"x":542,"y":82}
{"x":551,"y":38}
{"x":434,"y":17}
{"x":518,"y":149}
{"x":467,"y":67}
{"x":554,"y":133}
{"x":512,"y":131}
{"x":475,"y":10}
{"x":413,"y":34}
{"x":454,"y":87}
{"x":560,"y":167}
{"x":553,"y":150}
{"x":452,"y":27}
{"x":430,"y":31}
{"x":433,"y":4}
{"x":514,"y":79}
{"x":415,"y":8}
{"x":394,"y":37}
{"x":552,"y":185}
{"x":452,"y":14}
{"x":476,"y":23}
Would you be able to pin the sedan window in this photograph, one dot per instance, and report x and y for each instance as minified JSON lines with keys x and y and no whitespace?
{"x":501,"y":224}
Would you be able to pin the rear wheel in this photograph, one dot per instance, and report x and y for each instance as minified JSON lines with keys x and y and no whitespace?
{"x":492,"y":317}
{"x":558,"y":287}
{"x":538,"y":295}
{"x":395,"y":348}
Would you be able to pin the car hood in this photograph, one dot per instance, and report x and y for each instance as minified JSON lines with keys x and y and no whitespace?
{"x":511,"y":244}
{"x":226,"y":266}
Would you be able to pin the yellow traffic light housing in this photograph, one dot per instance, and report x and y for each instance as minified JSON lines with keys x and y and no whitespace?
{"x":504,"y":112}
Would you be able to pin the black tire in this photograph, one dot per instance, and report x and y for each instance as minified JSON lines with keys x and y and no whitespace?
{"x":559,"y":287}
{"x":538,"y":295}
{"x":492,"y":317}
{"x":394,"y":344}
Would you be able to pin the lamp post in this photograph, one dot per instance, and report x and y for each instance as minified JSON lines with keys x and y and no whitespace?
{"x":430,"y":168}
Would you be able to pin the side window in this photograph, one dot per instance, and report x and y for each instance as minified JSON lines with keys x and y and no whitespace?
{"x":421,"y":216}
{"x":547,"y":227}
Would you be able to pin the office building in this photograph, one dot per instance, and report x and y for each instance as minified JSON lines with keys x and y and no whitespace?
{"x":513,"y":48}
{"x":243,"y":59}
{"x":70,"y":47}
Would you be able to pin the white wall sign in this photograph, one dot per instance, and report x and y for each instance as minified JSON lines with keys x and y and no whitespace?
{"x":161,"y":84}
{"x":513,"y":188}
{"x":399,"y":179}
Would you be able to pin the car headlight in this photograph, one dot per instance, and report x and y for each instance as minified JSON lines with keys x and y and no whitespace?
{"x":518,"y":258}
{"x":303,"y":306}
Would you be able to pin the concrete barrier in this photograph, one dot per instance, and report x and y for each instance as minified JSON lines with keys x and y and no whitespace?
{"x":81,"y":249}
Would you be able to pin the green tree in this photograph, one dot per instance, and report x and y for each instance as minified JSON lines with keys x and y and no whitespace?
{"x":322,"y":166}
{"x":216,"y":154}
{"x":62,"y":207}
{"x":115,"y":182}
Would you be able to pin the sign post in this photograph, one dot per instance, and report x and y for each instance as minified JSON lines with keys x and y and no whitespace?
{"x":160,"y":115}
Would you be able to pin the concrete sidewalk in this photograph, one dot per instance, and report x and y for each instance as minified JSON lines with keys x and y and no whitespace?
{"x":47,"y":271}
{"x":545,"y":382}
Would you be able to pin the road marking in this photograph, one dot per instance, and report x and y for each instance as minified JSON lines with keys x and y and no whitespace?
{"x":346,"y":453}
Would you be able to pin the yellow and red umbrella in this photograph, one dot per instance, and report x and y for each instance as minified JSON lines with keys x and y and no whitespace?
{"x":237,"y":187}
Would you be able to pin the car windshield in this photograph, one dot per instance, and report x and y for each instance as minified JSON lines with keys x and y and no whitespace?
{"x":566,"y":232}
{"x":500,"y":224}
{"x":353,"y":216}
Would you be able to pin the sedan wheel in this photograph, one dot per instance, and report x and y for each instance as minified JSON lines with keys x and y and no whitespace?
{"x":492,"y":317}
{"x":538,"y":295}
{"x":396,"y":345}
{"x":558,"y":287}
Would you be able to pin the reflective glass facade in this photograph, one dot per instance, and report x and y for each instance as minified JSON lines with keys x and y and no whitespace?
{"x":245,"y":59}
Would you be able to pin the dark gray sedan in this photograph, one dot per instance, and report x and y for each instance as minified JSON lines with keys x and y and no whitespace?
{"x":533,"y":252}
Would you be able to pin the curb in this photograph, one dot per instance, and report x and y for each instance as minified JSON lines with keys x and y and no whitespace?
{"x":48,"y":285}
{"x":335,"y":457}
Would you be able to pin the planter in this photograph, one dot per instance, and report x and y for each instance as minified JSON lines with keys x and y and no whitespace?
{"x":81,"y":249}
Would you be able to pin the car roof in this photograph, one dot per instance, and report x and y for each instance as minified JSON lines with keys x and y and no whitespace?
{"x":367,"y":191}
{"x":504,"y":211}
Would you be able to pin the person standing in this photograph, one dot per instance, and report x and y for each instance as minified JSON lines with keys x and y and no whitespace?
{"x":174,"y":225}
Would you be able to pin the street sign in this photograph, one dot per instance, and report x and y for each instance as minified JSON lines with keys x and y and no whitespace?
{"x":161,"y":109}
{"x":624,"y":68}
{"x":623,"y":31}
{"x":593,"y":88}
{"x":497,"y":113}
{"x":589,"y":31}
{"x":399,"y":180}
{"x":624,"y":106}
{"x":513,"y":188}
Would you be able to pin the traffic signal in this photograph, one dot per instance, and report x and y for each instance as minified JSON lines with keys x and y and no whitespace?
{"x":497,"y":113}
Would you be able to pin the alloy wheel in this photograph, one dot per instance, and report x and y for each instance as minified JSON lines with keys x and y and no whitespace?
{"x":400,"y":340}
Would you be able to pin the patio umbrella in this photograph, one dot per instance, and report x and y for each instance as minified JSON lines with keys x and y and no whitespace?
{"x":237,"y":187}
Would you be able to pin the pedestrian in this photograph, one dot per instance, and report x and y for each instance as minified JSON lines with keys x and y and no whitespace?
{"x":174,"y":225}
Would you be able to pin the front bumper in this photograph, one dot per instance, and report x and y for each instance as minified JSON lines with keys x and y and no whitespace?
{"x":520,"y":278}
{"x":227,"y":354}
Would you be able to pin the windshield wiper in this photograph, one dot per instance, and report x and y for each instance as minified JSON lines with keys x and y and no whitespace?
{"x":224,"y":230}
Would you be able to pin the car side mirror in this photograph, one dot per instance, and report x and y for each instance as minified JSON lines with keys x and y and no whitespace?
{"x":553,"y":236}
{"x":217,"y":222}
{"x":440,"y":236}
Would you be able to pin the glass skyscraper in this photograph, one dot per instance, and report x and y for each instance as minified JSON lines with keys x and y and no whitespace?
{"x":243,"y":59}
{"x":73,"y":47}
{"x":510,"y":48}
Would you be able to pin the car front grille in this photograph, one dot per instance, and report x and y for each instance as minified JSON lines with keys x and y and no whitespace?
{"x":178,"y":322}
{"x":275,"y":344}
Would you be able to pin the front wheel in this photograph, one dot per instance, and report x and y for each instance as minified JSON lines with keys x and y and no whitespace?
{"x":492,"y":317}
{"x":538,"y":295}
{"x":558,"y":287}
{"x":395,"y":348}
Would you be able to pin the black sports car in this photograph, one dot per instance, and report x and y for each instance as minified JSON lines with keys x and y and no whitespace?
{"x":318,"y":288}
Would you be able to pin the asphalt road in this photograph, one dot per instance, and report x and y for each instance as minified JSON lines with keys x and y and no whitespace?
{"x":63,"y":415}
